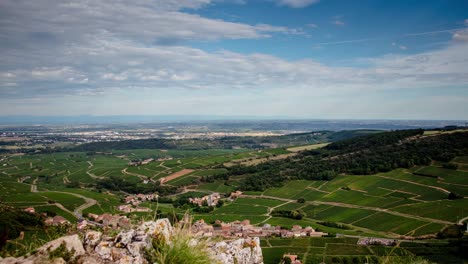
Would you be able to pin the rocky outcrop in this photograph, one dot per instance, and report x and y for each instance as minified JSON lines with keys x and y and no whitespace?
{"x":72,"y":244}
{"x":239,"y":251}
{"x":128,"y":247}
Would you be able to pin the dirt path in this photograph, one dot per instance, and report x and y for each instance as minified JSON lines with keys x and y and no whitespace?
{"x":34,"y":186}
{"x":79,"y":210}
{"x":59,"y":205}
{"x":270,"y":209}
{"x":185,"y":190}
{"x":140,"y":176}
{"x":175,"y":175}
{"x":94,"y":176}
{"x":460,"y":222}
{"x":359,"y":207}
{"x":165,"y":167}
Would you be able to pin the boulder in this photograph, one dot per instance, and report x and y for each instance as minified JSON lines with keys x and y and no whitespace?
{"x":92,"y":238}
{"x":72,"y":242}
{"x":125,"y":238}
{"x":239,"y":251}
{"x":103,"y":250}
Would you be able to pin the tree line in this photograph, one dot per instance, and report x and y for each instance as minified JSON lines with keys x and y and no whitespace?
{"x":365,"y":155}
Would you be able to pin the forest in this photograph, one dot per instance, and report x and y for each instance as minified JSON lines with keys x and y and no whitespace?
{"x":364,"y":155}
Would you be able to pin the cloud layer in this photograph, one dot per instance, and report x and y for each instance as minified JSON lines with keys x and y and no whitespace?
{"x":138,"y":52}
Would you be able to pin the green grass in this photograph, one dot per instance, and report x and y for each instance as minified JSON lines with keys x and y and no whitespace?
{"x":258,"y":201}
{"x":389,"y":223}
{"x":58,"y":211}
{"x":340,"y":214}
{"x":449,"y":176}
{"x":217,"y":186}
{"x":67,"y":200}
{"x":289,"y":190}
{"x":346,"y":249}
{"x":443,"y":210}
{"x":242,"y":209}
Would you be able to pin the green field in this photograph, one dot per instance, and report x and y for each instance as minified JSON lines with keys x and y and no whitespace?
{"x":352,"y":200}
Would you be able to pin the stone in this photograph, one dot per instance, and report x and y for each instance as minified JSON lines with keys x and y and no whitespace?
{"x":239,"y":251}
{"x":92,"y":238}
{"x":103,"y":250}
{"x":125,"y":237}
{"x":136,"y":248}
{"x":72,"y":242}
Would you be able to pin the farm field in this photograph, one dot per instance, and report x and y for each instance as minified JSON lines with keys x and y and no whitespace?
{"x":345,"y":250}
{"x":396,"y":203}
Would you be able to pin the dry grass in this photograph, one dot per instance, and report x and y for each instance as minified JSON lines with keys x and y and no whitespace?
{"x":176,"y":175}
{"x":307,"y":147}
{"x":255,"y":161}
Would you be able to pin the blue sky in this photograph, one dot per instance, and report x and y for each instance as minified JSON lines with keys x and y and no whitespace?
{"x":296,"y":58}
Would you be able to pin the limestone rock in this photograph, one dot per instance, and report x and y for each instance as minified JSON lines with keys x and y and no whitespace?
{"x":124,"y":238}
{"x":72,"y":242}
{"x":240,"y":251}
{"x":92,"y":238}
{"x":103,"y":250}
{"x":161,"y":228}
{"x":128,"y":246}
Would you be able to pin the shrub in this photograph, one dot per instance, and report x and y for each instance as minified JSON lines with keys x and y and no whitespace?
{"x":181,"y":250}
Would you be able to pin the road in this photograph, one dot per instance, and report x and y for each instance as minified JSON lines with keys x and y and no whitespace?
{"x":460,"y":222}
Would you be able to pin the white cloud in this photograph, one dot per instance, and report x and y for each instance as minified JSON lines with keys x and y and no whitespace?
{"x":312,"y":25}
{"x":297,"y":3}
{"x":338,"y":22}
{"x":143,"y":20}
{"x":144,"y":66}
{"x":460,"y":35}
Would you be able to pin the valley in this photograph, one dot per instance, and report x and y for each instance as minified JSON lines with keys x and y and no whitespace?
{"x":416,"y":203}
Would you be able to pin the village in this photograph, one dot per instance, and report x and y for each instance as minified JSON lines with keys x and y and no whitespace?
{"x":245,"y":229}
{"x":200,"y":228}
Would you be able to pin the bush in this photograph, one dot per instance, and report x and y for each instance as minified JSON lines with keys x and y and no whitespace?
{"x":450,"y":166}
{"x":180,"y":250}
{"x":62,"y":252}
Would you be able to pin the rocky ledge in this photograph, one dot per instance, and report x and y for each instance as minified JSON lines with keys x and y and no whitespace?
{"x":128,"y":247}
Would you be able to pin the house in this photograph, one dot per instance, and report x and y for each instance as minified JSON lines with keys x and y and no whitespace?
{"x":82,"y":224}
{"x":125,"y":208}
{"x":210,"y":200}
{"x":93,"y":216}
{"x":30,"y":210}
{"x":235,"y":195}
{"x":293,"y":259}
{"x":56,"y":220}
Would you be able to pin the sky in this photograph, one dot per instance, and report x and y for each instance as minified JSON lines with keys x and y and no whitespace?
{"x":321,"y":59}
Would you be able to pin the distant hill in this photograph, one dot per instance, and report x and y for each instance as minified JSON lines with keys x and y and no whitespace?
{"x":226,"y":142}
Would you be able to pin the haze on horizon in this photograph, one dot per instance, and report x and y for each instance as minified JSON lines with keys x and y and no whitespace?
{"x":296,"y":58}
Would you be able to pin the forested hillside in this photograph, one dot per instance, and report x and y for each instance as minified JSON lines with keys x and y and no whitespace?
{"x":365,"y":155}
